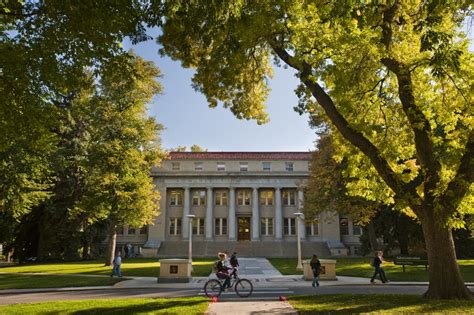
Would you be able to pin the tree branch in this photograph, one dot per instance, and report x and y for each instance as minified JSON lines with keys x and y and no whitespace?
{"x":353,"y":136}
{"x":419,"y":124}
{"x":459,"y":186}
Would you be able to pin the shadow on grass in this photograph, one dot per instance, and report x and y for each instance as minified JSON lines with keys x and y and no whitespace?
{"x":358,"y":303}
{"x":169,"y":307}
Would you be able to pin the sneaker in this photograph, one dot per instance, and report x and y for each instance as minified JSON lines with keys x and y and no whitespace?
{"x":317,"y":284}
{"x":372,"y":281}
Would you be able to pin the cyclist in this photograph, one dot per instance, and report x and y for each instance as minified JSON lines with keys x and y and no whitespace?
{"x":223,"y":271}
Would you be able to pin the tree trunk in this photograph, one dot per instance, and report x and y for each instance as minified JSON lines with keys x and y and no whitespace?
{"x":374,"y":245}
{"x":445,"y":277}
{"x":112,"y":240}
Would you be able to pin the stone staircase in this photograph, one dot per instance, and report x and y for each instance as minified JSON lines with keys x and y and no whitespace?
{"x":244,"y":248}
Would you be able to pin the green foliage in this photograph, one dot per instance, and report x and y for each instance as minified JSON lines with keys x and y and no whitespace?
{"x":352,"y":60}
{"x":326,"y":189}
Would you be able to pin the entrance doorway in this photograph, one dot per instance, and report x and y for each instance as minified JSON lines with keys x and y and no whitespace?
{"x":243,"y":224}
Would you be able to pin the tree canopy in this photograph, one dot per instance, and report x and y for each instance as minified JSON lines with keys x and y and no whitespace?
{"x":394,"y":78}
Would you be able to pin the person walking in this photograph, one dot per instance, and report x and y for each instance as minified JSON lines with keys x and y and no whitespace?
{"x":316,"y":268}
{"x":378,"y":270}
{"x":117,"y":265}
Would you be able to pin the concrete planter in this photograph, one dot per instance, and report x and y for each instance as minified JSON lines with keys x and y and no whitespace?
{"x":328,"y":271}
{"x":175,"y":271}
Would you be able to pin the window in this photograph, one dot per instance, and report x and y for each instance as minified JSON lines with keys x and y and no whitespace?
{"x":266,"y":197}
{"x":198,"y":166}
{"x":266,"y":226}
{"x":221,"y":198}
{"x":131,"y":231}
{"x":289,"y":197}
{"x":344,"y":226}
{"x":289,"y":226}
{"x":312,"y":227}
{"x":176,"y":198}
{"x":356,"y":230}
{"x":175,"y":166}
{"x":119,"y":230}
{"x":266,"y":166}
{"x":175,"y":226}
{"x":289,"y":166}
{"x":243,"y":198}
{"x":220,"y":226}
{"x":198,"y":226}
{"x":199,"y":198}
{"x":144,"y":230}
{"x":244,"y":166}
{"x":220,"y":166}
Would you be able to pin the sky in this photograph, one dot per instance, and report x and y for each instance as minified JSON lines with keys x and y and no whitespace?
{"x":188,"y":120}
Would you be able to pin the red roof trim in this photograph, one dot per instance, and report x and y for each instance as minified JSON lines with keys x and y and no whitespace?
{"x":240,"y":155}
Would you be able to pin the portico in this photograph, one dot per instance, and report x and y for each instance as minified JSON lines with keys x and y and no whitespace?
{"x":237,"y":198}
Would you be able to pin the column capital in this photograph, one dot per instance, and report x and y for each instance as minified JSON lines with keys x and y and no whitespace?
{"x":277,"y":188}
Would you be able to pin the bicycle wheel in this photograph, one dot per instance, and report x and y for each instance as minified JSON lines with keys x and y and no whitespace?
{"x":243,"y":288}
{"x":212,"y":288}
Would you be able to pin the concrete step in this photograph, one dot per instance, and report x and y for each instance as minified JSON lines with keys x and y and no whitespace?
{"x":244,"y":248}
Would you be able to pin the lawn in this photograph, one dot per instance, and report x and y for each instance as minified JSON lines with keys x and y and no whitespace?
{"x":138,"y":267}
{"x":26,"y":281}
{"x":115,"y":306}
{"x":377,"y":303}
{"x":359,"y":267}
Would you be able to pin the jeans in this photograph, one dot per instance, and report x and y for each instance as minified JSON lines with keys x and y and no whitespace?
{"x":379,"y":271}
{"x":315,"y":278}
{"x":227,"y":279}
{"x":116,"y":271}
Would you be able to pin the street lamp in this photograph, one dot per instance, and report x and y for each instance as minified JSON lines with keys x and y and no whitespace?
{"x":298,"y":216}
{"x":190,"y":248}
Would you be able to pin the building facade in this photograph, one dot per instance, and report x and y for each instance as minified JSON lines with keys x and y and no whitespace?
{"x":242,"y":201}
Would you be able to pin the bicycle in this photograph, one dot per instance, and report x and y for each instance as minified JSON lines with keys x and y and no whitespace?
{"x":243,"y":287}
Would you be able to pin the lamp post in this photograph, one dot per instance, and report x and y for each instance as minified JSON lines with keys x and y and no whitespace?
{"x":190,"y":248}
{"x":298,"y":216}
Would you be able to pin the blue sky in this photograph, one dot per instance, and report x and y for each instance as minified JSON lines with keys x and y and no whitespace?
{"x":188,"y":120}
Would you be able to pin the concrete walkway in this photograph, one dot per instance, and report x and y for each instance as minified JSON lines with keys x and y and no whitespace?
{"x":266,"y":279}
{"x":251,"y":307}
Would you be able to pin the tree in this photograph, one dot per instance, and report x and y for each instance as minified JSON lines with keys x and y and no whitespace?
{"x":197,"y":148}
{"x":393,"y":78}
{"x":45,"y":47}
{"x":123,"y":149}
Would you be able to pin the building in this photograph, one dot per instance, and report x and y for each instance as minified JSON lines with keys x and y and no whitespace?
{"x":242,"y":201}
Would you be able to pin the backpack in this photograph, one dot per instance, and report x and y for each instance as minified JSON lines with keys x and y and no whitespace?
{"x":214,"y":266}
{"x":372,"y":262}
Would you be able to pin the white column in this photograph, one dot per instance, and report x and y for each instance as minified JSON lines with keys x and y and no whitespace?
{"x":231,"y":218}
{"x":278,"y":215}
{"x":255,"y":215}
{"x":209,"y":214}
{"x":300,"y":209}
{"x":186,"y":211}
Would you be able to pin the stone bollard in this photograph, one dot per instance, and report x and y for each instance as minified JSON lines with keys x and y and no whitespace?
{"x":175,"y":271}
{"x":328,"y":270}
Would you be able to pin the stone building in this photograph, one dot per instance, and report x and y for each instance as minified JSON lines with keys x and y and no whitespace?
{"x":242,"y":201}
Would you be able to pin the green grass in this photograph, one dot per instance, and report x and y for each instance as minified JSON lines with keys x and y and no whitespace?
{"x":25,"y":281}
{"x":360,"y":267}
{"x":377,"y":303}
{"x":138,"y":267}
{"x":112,"y":306}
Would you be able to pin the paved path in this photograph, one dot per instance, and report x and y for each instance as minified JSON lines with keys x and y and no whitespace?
{"x":268,"y":283}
